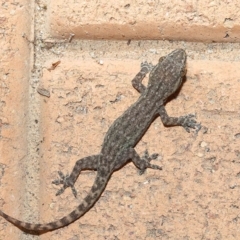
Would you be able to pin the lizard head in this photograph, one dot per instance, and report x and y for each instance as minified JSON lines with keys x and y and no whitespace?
{"x":167,"y":76}
{"x":174,"y":68}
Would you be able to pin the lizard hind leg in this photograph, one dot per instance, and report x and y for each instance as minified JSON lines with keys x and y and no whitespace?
{"x":147,"y":159}
{"x":87,"y":163}
{"x":144,"y":162}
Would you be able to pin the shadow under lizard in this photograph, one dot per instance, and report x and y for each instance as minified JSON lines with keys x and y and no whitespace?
{"x":118,"y":147}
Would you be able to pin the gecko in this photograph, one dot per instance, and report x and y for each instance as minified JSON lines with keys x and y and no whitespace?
{"x":165,"y":78}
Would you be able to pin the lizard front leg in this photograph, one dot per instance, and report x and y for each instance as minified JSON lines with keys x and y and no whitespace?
{"x":186,"y":121}
{"x":87,"y":163}
{"x":137,"y":80}
{"x":145,"y":68}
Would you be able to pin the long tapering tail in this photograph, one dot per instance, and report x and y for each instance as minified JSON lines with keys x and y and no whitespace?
{"x":95,"y":192}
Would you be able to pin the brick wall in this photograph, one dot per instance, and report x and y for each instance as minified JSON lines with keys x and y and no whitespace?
{"x":51,"y":116}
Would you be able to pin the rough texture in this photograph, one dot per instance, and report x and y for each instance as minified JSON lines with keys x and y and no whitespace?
{"x":196,"y":196}
{"x":209,"y":20}
{"x":15,"y":67}
{"x":123,"y":135}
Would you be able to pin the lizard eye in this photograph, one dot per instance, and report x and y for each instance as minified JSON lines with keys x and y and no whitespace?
{"x":161,"y":59}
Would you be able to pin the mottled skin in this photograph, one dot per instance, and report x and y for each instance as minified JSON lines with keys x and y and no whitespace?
{"x":125,"y":132}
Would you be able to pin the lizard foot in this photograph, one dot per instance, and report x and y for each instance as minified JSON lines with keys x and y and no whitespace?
{"x":64,"y":179}
{"x":146,"y":67}
{"x":189,"y":121}
{"x":146,"y":159}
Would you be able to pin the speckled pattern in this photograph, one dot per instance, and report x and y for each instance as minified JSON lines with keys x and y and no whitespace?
{"x":123,"y":135}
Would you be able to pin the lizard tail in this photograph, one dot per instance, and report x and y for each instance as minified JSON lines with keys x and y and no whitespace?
{"x":95,"y":192}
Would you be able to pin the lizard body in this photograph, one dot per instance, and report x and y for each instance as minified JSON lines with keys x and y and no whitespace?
{"x":125,"y":132}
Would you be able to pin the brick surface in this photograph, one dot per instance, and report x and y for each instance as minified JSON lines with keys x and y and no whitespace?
{"x":172,"y":20}
{"x":55,"y":116}
{"x":14,"y":98}
{"x":191,"y":190}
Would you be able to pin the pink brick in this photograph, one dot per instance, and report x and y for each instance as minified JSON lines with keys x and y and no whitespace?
{"x":196,"y":195}
{"x":75,"y":119}
{"x":201,"y":21}
{"x":14,"y":98}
